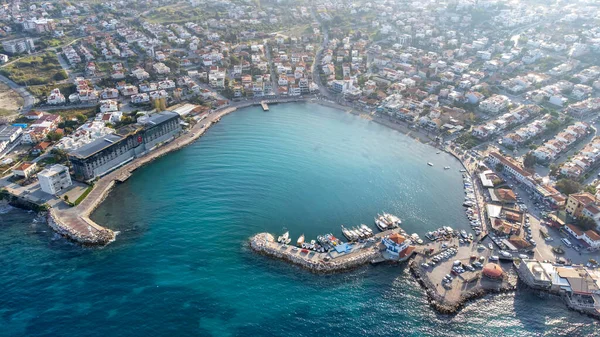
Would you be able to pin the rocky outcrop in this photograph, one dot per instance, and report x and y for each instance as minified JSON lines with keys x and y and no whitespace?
{"x":92,"y":236}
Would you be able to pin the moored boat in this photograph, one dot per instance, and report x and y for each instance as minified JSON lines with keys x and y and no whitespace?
{"x":300,"y":241}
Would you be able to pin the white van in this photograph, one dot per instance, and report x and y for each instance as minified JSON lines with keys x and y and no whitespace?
{"x":567,"y":242}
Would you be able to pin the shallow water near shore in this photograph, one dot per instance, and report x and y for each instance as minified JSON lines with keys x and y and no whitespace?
{"x":181,"y":264}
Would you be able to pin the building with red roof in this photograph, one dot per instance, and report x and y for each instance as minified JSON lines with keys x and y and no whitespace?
{"x":578,"y":201}
{"x":493,"y":271}
{"x":398,"y":248}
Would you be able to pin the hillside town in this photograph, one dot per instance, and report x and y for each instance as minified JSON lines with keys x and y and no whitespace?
{"x":510,"y":88}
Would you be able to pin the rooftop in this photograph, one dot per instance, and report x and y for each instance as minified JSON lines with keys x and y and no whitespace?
{"x":96,"y":146}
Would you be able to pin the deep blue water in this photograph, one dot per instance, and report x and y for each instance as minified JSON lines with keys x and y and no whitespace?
{"x":181,"y":265}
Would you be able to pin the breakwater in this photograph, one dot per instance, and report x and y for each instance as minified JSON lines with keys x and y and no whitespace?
{"x":320,"y":263}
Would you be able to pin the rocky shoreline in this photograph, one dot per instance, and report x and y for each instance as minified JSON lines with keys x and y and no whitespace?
{"x":438,"y":303}
{"x":94,"y":237}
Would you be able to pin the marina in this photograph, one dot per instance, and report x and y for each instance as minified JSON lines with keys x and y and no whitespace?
{"x":329,"y":254}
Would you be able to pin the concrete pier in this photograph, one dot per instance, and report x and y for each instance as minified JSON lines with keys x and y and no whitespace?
{"x":322,"y":263}
{"x":264,"y":106}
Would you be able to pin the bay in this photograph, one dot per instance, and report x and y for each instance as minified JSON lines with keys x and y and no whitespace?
{"x":181,"y":265}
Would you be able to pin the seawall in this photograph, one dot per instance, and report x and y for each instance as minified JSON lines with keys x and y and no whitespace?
{"x":264,"y":243}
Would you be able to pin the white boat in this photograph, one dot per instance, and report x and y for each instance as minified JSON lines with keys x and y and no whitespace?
{"x":366,"y":229}
{"x":446,"y":167}
{"x":415,"y":238}
{"x":285,"y":238}
{"x":380,"y":224}
{"x":392,"y":220}
{"x":430,"y":164}
{"x":300,"y":240}
{"x":348,"y":233}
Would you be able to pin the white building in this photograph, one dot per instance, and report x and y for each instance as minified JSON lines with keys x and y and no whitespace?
{"x":18,"y":46}
{"x":55,"y":179}
{"x":56,"y":97}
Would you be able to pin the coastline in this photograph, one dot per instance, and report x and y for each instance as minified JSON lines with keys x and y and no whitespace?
{"x":75,"y":224}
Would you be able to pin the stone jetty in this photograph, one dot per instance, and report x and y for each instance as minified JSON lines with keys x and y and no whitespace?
{"x":321,"y":263}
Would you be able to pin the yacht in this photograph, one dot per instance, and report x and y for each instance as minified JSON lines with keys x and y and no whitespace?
{"x":392,"y":220}
{"x":381,"y":224}
{"x":415,"y":238}
{"x":430,"y":164}
{"x":348,"y":233}
{"x":366,"y":229}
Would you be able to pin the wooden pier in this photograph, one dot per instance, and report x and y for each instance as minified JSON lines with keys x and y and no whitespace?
{"x":264,"y":105}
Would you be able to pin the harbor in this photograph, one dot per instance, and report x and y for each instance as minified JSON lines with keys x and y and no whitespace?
{"x":329,"y":254}
{"x":75,"y":224}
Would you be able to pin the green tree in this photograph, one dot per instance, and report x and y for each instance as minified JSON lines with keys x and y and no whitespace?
{"x":568,"y":186}
{"x":81,"y":118}
{"x":529,"y":160}
{"x":499,"y":167}
{"x":585,"y":223}
{"x":590,"y":189}
{"x":60,"y":156}
{"x":554,"y":170}
{"x":53,"y":136}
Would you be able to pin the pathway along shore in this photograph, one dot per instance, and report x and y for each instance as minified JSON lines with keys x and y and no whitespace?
{"x":75,"y":224}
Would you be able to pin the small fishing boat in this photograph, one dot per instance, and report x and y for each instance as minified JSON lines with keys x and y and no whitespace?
{"x":300,"y":241}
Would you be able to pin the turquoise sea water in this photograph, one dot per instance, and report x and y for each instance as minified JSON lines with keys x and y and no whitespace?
{"x":181,"y":265}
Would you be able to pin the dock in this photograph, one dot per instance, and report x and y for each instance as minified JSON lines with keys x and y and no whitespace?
{"x":264,"y":105}
{"x":323,"y":263}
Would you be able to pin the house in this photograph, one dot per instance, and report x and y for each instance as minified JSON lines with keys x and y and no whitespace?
{"x":161,"y":68}
{"x":577,"y":202}
{"x":397,"y":247}
{"x":110,"y":93}
{"x":25,"y":170}
{"x":56,"y":97}
{"x":40,"y":148}
{"x":512,"y":169}
{"x":592,"y":238}
{"x":109,"y":105}
{"x":140,"y":74}
{"x":574,"y":230}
